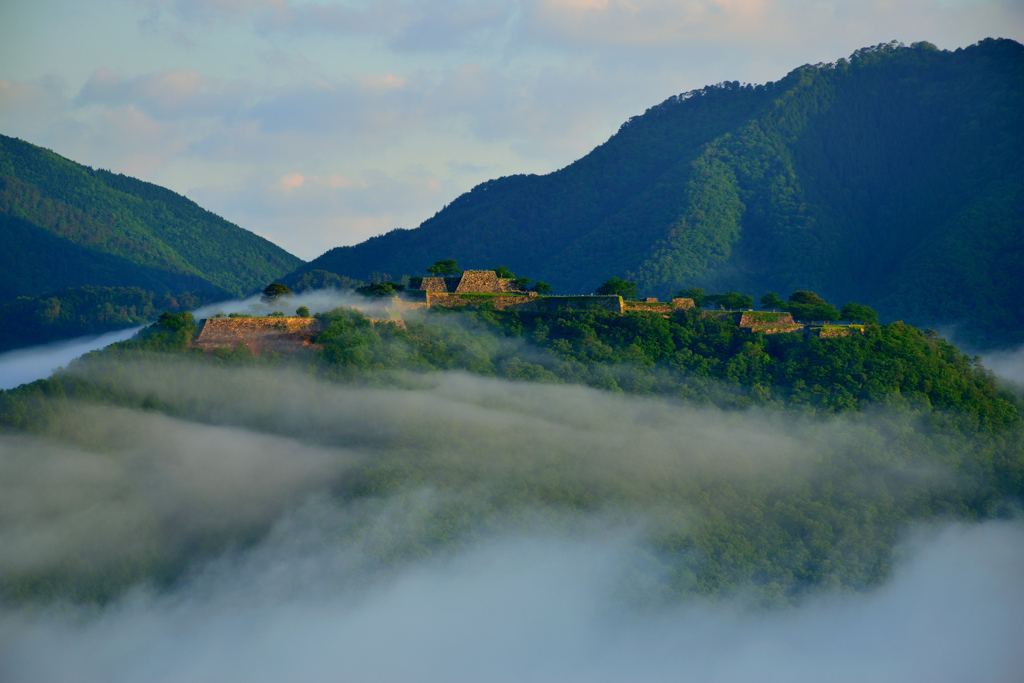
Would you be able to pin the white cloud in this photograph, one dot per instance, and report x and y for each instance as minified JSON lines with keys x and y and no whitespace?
{"x":331,"y":582}
{"x":168,"y":95}
{"x":315,"y":212}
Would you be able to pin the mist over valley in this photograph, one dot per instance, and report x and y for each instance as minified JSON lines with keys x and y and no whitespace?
{"x":726,"y":388}
{"x":264,"y":523}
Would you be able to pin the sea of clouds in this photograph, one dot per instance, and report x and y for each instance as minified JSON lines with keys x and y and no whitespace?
{"x":293,"y":582}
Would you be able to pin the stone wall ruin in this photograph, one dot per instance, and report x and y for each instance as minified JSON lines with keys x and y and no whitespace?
{"x":281,"y":335}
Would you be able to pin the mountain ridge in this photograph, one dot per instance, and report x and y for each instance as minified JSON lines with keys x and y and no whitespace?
{"x":122,"y":224}
{"x":865,"y":179}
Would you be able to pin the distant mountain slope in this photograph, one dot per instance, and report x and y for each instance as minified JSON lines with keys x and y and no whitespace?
{"x":65,"y":225}
{"x":894,"y":178}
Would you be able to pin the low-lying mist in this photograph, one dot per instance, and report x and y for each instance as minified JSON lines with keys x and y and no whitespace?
{"x":316,"y":300}
{"x":260,"y":524}
{"x":37,"y":362}
{"x":538,"y":607}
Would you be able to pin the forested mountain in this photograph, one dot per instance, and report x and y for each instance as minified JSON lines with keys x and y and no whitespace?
{"x":65,"y":226}
{"x":894,"y":178}
{"x":68,"y":225}
{"x":836,"y":445}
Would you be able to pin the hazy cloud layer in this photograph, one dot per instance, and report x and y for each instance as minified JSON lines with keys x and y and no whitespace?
{"x":290,"y":581}
{"x":37,"y":362}
{"x":250,"y":442}
{"x":537,"y":607}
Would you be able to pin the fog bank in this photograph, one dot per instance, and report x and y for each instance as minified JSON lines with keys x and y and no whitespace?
{"x":1008,"y":364}
{"x":316,"y":300}
{"x":258,"y":524}
{"x":537,"y":608}
{"x":38,"y":362}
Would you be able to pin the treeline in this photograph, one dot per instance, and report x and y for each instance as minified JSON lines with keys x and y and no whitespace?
{"x":702,"y":359}
{"x":913,"y":405}
{"x":705,"y":359}
{"x":85,"y":310}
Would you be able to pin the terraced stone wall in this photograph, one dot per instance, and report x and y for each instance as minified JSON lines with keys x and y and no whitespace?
{"x":655,"y":306}
{"x":478,"y":281}
{"x":283,"y":335}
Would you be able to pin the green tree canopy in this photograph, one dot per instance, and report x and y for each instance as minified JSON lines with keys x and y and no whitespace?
{"x":695,"y":293}
{"x":858,"y":313}
{"x":806,"y":305}
{"x":542,"y":288}
{"x":302,"y":311}
{"x":177,"y":321}
{"x":380,"y":289}
{"x":503,"y":272}
{"x":627,"y":290}
{"x":802,"y":296}
{"x":731,"y":300}
{"x":772,"y":300}
{"x":276,"y":290}
{"x":444,"y":267}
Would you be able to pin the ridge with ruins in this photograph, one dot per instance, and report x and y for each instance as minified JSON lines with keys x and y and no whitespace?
{"x":475,"y":289}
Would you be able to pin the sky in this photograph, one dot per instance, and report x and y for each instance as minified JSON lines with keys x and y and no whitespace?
{"x":320,"y":124}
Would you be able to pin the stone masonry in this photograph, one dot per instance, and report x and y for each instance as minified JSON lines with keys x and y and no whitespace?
{"x":483,"y":281}
{"x":282,"y":335}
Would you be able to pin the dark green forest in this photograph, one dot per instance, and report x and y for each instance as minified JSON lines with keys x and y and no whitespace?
{"x":85,"y":310}
{"x":901,"y":426}
{"x":893,"y":177}
{"x":65,"y":226}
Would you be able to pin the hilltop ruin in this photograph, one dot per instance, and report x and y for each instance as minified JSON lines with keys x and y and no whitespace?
{"x":476,"y":289}
{"x":475,"y":281}
{"x":281,"y":335}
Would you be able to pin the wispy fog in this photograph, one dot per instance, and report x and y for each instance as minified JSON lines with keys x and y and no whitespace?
{"x":1008,"y":364}
{"x":317,"y":301}
{"x":316,"y":532}
{"x":36,"y":362}
{"x":529,"y":608}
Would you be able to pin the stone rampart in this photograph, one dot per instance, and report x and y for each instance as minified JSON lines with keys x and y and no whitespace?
{"x":832,"y":331}
{"x":498,"y":301}
{"x":508,"y":285}
{"x":433,"y":284}
{"x":765,"y":322}
{"x":527,"y":302}
{"x":283,"y":335}
{"x":485,"y":281}
{"x":555,"y":304}
{"x":765,"y":319}
{"x":655,"y":306}
{"x":478,"y":281}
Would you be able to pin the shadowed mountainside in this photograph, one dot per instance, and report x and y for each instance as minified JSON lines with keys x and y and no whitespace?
{"x":894,"y":177}
{"x":87,"y":251}
{"x":67,"y":225}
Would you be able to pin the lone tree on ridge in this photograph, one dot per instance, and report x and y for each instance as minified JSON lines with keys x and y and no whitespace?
{"x":627,"y":290}
{"x":444,"y":267}
{"x":276,"y":290}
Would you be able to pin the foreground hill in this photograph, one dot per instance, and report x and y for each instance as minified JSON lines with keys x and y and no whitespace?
{"x":895,"y":178}
{"x":773,"y":466}
{"x":65,"y":226}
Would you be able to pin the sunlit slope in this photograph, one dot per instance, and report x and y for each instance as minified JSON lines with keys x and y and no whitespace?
{"x":872,"y":179}
{"x":65,"y":225}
